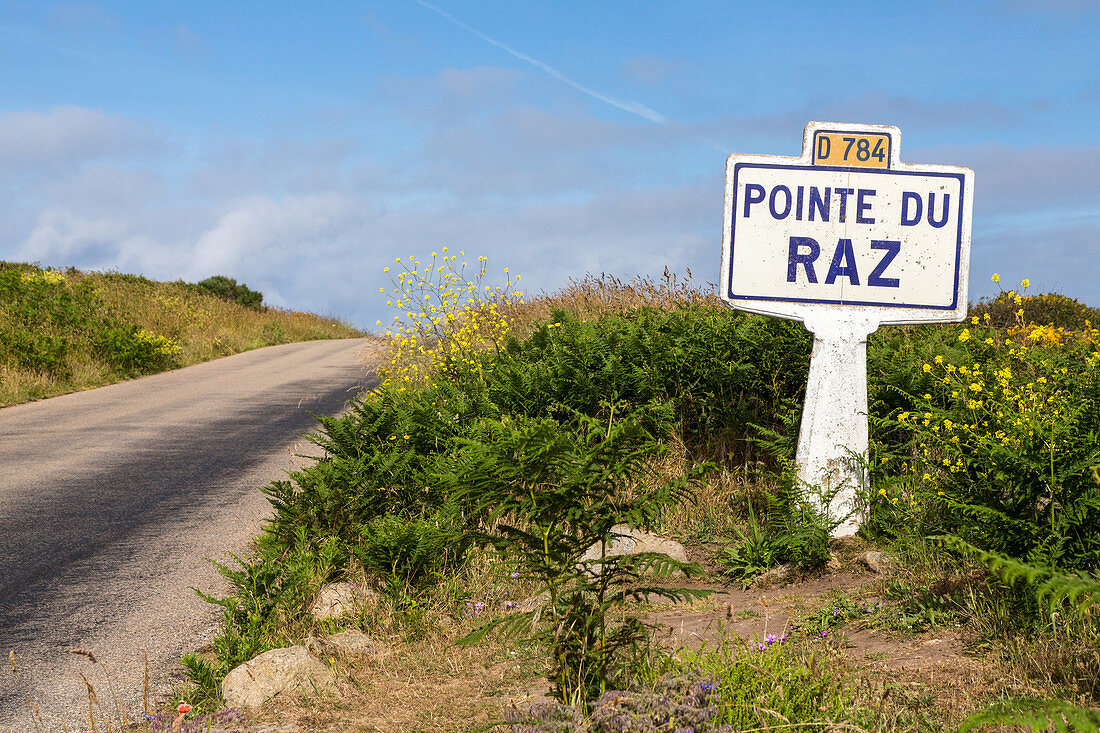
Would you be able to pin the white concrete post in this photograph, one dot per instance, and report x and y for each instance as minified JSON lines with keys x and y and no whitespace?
{"x":832,"y":440}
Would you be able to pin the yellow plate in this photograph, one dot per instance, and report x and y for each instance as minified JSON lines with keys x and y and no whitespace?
{"x":851,"y":149}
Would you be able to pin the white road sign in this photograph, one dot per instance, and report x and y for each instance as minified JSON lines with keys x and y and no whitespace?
{"x":847,"y":223}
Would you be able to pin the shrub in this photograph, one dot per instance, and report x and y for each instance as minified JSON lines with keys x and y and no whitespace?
{"x":227,"y":288}
{"x":43,"y":318}
{"x":133,"y":350}
{"x":269,"y":594}
{"x":446,"y":318}
{"x":719,"y":370}
{"x":411,"y":552}
{"x":1002,"y":443}
{"x":1009,"y":309}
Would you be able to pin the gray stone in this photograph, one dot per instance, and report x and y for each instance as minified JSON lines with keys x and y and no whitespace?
{"x":290,"y":670}
{"x":632,"y":542}
{"x":339,"y":599}
{"x":352,"y":642}
{"x":876,"y":562}
{"x":775,"y":575}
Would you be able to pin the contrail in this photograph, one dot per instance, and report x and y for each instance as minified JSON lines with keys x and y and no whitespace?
{"x":633,"y":108}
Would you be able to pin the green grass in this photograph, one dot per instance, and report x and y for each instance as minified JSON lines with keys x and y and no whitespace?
{"x":66,"y":331}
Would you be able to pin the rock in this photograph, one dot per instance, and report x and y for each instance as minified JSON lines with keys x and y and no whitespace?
{"x":338,"y":599}
{"x":290,"y":670}
{"x":775,"y":575}
{"x":876,"y":562}
{"x":833,"y":564}
{"x":633,"y":541}
{"x":352,"y":642}
{"x":347,"y":643}
{"x":533,"y":603}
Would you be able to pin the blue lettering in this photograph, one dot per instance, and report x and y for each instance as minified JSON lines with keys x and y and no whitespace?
{"x":750,"y":199}
{"x":862,"y":206}
{"x":908,"y":197}
{"x":795,"y":258}
{"x":932,"y":206}
{"x":875,"y":279}
{"x":771,"y":202}
{"x":838,"y":268}
{"x":822,"y":204}
{"x":798,"y":205}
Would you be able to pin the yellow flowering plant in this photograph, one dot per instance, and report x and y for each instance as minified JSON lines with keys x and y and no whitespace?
{"x":447,"y":315}
{"x":1002,"y":432}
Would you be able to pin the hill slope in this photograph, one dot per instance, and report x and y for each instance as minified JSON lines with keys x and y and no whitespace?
{"x":72,"y":330}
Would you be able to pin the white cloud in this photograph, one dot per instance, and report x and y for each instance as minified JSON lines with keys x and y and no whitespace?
{"x":67,"y":136}
{"x":264,"y":233}
{"x":61,"y":237}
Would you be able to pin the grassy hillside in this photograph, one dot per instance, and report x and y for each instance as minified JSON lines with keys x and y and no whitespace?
{"x":66,"y":331}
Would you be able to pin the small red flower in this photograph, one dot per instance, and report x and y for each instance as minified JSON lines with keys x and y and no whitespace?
{"x":184,"y":708}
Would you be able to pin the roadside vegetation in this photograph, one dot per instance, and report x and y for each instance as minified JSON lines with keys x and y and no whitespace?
{"x":66,"y":331}
{"x":509,"y":434}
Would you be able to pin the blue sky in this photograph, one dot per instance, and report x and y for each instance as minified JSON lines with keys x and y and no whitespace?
{"x":301,"y":147}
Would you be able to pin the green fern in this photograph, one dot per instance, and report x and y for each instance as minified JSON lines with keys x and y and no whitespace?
{"x":1081,"y":590}
{"x":1038,"y":715}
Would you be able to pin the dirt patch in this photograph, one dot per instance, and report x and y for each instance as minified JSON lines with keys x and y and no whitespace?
{"x":432,"y":685}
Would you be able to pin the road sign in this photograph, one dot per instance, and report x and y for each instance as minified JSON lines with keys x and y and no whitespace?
{"x":844,"y":238}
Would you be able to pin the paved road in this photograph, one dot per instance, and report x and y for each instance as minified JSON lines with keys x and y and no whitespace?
{"x":111,"y":498}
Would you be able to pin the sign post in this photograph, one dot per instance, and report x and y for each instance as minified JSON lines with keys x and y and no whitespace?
{"x":844,"y":238}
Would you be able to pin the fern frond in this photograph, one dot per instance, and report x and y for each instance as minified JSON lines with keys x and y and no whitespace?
{"x":659,"y":564}
{"x":1038,"y":715}
{"x":1079,"y":589}
{"x":514,"y":624}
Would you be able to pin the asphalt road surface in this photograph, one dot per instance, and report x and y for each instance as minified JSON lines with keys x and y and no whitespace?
{"x":111,"y":499}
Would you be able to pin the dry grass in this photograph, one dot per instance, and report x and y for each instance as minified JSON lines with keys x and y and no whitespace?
{"x":593,"y":297}
{"x":206,"y":327}
{"x":424,"y":685}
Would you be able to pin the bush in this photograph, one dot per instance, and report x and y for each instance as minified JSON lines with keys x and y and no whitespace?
{"x":133,"y":350}
{"x":997,"y":445}
{"x":411,"y":552}
{"x":227,"y":288}
{"x":43,"y":318}
{"x":719,"y":370}
{"x":1008,"y":310}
